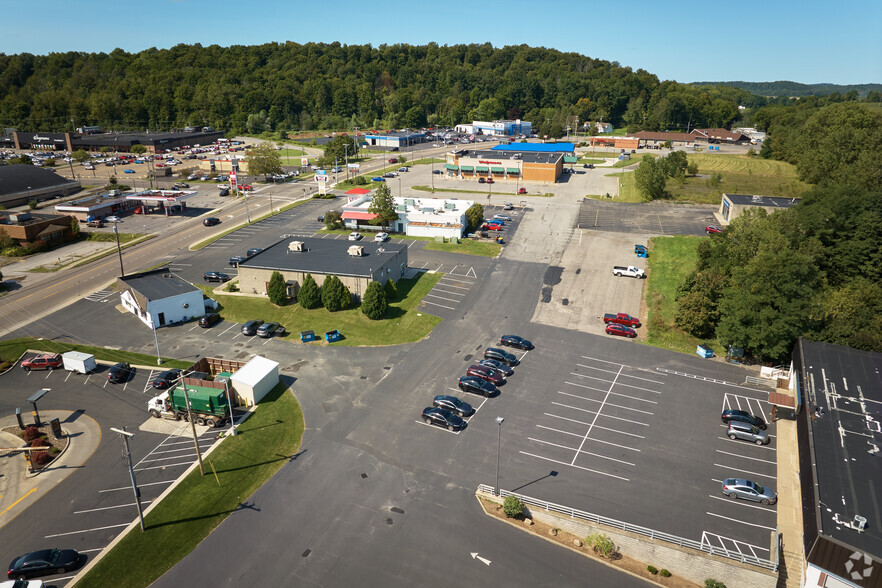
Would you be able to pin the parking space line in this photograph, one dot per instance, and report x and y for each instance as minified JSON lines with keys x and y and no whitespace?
{"x":712,"y":380}
{"x":575,"y":466}
{"x":742,"y":503}
{"x":745,"y":457}
{"x":87,"y":530}
{"x":611,"y":404}
{"x":146,"y":461}
{"x":593,"y":438}
{"x":591,"y":367}
{"x":767,"y":447}
{"x":436,"y":288}
{"x":595,"y":426}
{"x":622,"y":395}
{"x":186,"y":463}
{"x":110,"y":507}
{"x":454,"y":285}
{"x":129,"y":488}
{"x":719,"y":465}
{"x":440,"y":428}
{"x":580,"y":452}
{"x":734,"y":520}
{"x":436,"y":304}
{"x":585,"y":387}
{"x":227,"y":329}
{"x":441,"y":297}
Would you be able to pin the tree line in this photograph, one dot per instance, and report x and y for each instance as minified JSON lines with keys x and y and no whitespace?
{"x":281,"y":87}
{"x":814,"y":270}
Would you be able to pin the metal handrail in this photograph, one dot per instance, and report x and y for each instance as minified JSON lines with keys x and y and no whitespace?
{"x":645,"y":531}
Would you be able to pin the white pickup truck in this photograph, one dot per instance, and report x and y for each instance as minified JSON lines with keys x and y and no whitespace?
{"x":630,"y":271}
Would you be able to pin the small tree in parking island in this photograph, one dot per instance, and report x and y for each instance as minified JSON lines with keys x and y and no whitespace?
{"x":138,"y":149}
{"x":310,"y":295}
{"x":512,"y":507}
{"x":277,"y":291}
{"x":374,"y":304}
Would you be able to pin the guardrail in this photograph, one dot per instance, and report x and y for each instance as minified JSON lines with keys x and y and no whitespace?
{"x":759,"y":381}
{"x":646,"y":532}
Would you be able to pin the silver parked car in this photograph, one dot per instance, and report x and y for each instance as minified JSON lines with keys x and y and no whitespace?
{"x":739,"y":488}
{"x":748,"y":432}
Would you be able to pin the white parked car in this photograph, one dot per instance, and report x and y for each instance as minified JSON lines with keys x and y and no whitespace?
{"x":381,"y":237}
{"x":504,"y":217}
{"x":355,"y":236}
{"x":113,"y":219}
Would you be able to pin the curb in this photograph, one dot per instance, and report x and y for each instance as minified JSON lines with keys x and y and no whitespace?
{"x":479,"y":495}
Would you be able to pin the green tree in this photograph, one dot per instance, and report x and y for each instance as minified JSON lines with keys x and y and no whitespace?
{"x":474,"y":216}
{"x":277,"y":291}
{"x":74,"y":227}
{"x":23,"y":159}
{"x":852,"y":315}
{"x":333,"y":220}
{"x":138,"y":149}
{"x":374,"y":303}
{"x":675,"y":163}
{"x":80,"y":156}
{"x":264,"y":160}
{"x":692,"y":168}
{"x":336,"y":150}
{"x":698,"y":303}
{"x":309,"y":296}
{"x":391,"y":290}
{"x":512,"y":506}
{"x":104,"y":149}
{"x":383,"y":205}
{"x":332,"y":293}
{"x":402,"y":159}
{"x":651,"y":178}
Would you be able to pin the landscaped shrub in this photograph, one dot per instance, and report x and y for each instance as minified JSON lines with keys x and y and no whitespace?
{"x":40,"y":458}
{"x":709,"y":583}
{"x":374,"y":304}
{"x":39,"y":442}
{"x":309,"y":296}
{"x":512,"y":507}
{"x":601,"y":544}
{"x":652,"y":570}
{"x":31,"y":433}
{"x":664,"y":573}
{"x":391,"y":290}
{"x":359,"y":180}
{"x":277,"y":291}
{"x":332,"y":293}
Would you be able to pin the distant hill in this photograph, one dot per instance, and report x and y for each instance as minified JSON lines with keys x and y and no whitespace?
{"x":795,"y":88}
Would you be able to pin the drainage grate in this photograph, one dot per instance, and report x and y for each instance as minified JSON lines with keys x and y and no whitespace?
{"x":396,"y":509}
{"x":363,"y":476}
{"x":389,"y":521}
{"x":306,"y":553}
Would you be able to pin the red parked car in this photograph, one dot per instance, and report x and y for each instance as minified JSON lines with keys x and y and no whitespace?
{"x":622,"y":319}
{"x":393,"y":160}
{"x":491,"y":227}
{"x":522,"y":190}
{"x":487,"y":374}
{"x":47,"y":361}
{"x":713,"y":229}
{"x":620,"y":330}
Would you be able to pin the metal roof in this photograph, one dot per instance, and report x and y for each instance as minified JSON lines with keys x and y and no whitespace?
{"x":16,"y":179}
{"x":537,"y":147}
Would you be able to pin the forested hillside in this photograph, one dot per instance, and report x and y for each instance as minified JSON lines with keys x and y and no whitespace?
{"x":795,"y":89}
{"x":333,"y":86}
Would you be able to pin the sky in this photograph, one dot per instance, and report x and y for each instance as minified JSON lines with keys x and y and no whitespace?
{"x":806,"y":41}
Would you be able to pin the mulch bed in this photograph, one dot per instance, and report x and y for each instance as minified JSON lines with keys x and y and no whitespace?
{"x":55,"y":448}
{"x":566,"y":539}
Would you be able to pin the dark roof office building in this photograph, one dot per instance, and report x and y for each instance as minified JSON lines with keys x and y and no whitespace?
{"x":840,"y":463}
{"x":19,"y":184}
{"x":115,"y":141}
{"x":356,"y":263}
{"x":159,"y":298}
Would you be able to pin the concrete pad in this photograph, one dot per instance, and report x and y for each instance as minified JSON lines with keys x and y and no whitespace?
{"x":172,"y":428}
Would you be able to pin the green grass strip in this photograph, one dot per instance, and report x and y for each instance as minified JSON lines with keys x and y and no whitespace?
{"x":11,"y":349}
{"x":242,"y":464}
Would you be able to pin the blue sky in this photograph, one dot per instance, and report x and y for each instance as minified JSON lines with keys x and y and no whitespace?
{"x":806,"y":41}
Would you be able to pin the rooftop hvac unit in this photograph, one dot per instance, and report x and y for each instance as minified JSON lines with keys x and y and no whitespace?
{"x":296,"y":246}
{"x":355,"y":250}
{"x":19,"y":217}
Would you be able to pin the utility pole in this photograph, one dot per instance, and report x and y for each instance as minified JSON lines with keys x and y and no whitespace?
{"x":122,"y":272}
{"x":192,"y":427}
{"x":125,"y":435}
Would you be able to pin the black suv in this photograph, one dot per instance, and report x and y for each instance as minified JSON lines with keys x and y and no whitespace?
{"x":250,"y":328}
{"x":120,"y":372}
{"x":165,"y":379}
{"x":744,"y":417}
{"x":236,"y":260}
{"x":500,"y":355}
{"x":207,"y":320}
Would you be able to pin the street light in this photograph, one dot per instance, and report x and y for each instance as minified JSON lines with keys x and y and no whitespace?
{"x":499,"y":421}
{"x":125,"y":436}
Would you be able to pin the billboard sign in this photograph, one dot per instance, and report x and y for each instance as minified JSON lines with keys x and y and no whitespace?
{"x":304,"y":162}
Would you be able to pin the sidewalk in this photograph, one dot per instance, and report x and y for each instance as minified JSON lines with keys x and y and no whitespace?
{"x":19,"y":489}
{"x":789,"y":505}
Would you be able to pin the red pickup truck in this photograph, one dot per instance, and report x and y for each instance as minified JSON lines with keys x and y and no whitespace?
{"x":622,"y":319}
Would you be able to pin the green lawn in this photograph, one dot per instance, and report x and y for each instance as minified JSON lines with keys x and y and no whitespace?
{"x":11,"y":350}
{"x":233,"y":472}
{"x":467,"y":247}
{"x":403,"y":323}
{"x":740,"y":175}
{"x":671,"y":259}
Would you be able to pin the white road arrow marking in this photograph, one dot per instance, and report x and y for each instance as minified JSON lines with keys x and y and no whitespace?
{"x":476,"y":556}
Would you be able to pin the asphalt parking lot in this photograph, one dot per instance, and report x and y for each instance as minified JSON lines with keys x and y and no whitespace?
{"x":657,"y":218}
{"x":93,"y":504}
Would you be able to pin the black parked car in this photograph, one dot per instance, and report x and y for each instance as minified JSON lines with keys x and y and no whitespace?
{"x":476,"y":386}
{"x":43,"y":562}
{"x":500,"y":355}
{"x":497,"y":365}
{"x":224,"y":192}
{"x":211,"y":221}
{"x":453,"y":404}
{"x":443,"y":418}
{"x":207,"y":320}
{"x":250,"y":328}
{"x":215,"y":277}
{"x":120,"y":372}
{"x":516,"y":341}
{"x":744,"y":417}
{"x":165,"y":379}
{"x":254,"y":251}
{"x":236,"y":260}
{"x":267,"y":330}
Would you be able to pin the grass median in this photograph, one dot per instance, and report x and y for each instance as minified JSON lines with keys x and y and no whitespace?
{"x":233,"y":472}
{"x":671,"y":259}
{"x":11,"y":350}
{"x":401,"y":324}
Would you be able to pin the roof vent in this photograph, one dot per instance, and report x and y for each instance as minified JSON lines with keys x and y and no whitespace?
{"x":296,"y":246}
{"x":355,"y":250}
{"x":859,"y":523}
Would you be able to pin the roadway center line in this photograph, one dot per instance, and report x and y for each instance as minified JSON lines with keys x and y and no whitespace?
{"x":596,"y":415}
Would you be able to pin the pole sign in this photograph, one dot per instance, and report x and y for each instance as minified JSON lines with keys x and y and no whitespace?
{"x":233,"y":180}
{"x":304,"y":162}
{"x":321,"y":179}
{"x":354,"y":165}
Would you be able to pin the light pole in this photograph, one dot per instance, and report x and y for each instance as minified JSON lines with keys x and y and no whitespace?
{"x":122,"y":272}
{"x":156,"y":341}
{"x":230,"y":402}
{"x":498,"y":444}
{"x":125,"y":435}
